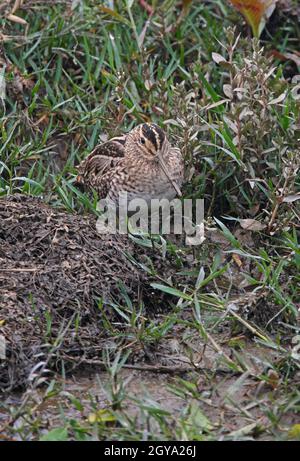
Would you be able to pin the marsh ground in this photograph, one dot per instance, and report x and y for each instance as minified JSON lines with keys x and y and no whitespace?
{"x":220,"y":358}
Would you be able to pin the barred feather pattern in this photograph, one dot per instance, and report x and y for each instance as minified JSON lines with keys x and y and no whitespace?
{"x":141,"y":163}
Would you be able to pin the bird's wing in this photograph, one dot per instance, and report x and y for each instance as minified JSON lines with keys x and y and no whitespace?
{"x":101,"y":159}
{"x":112,"y":148}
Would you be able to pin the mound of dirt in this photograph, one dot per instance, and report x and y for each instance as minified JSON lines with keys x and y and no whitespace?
{"x":53,"y":266}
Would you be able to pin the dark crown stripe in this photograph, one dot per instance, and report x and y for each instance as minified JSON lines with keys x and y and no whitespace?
{"x":160,"y":134}
{"x":154,"y":133}
{"x":149,"y":134}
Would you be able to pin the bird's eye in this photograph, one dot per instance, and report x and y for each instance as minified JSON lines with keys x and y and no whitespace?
{"x":142,"y":140}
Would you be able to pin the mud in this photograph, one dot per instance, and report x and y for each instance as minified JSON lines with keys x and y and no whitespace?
{"x":230,"y":406}
{"x":57,"y":279}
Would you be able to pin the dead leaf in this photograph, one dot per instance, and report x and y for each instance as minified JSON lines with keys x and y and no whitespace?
{"x":237,"y":260}
{"x":291,"y":198}
{"x":218,"y":58}
{"x":279,"y":99}
{"x":255,"y":12}
{"x":295,"y":56}
{"x":216,"y":104}
{"x":273,"y":379}
{"x":227,"y":90}
{"x":114,"y":14}
{"x":252,"y":225}
{"x":186,"y":5}
{"x":17,"y":19}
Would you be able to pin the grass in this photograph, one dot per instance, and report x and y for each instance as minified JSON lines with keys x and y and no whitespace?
{"x":90,"y":71}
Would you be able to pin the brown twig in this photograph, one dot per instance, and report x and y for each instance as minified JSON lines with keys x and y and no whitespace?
{"x":170,"y":369}
{"x":147,"y":7}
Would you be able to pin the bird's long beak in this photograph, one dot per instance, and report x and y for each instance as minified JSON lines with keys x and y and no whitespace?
{"x":165,"y":170}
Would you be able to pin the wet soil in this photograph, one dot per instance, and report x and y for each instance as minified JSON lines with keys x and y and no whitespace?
{"x":57,"y":280}
{"x":234,"y":406}
{"x":53,"y":269}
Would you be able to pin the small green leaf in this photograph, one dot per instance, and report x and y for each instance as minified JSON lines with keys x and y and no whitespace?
{"x":294,"y":432}
{"x":171,"y":291}
{"x":58,"y":434}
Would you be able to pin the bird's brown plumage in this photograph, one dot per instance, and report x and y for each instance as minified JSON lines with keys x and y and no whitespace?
{"x":141,"y":163}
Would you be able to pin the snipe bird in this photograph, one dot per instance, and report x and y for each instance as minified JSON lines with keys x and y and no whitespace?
{"x":141,"y":163}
